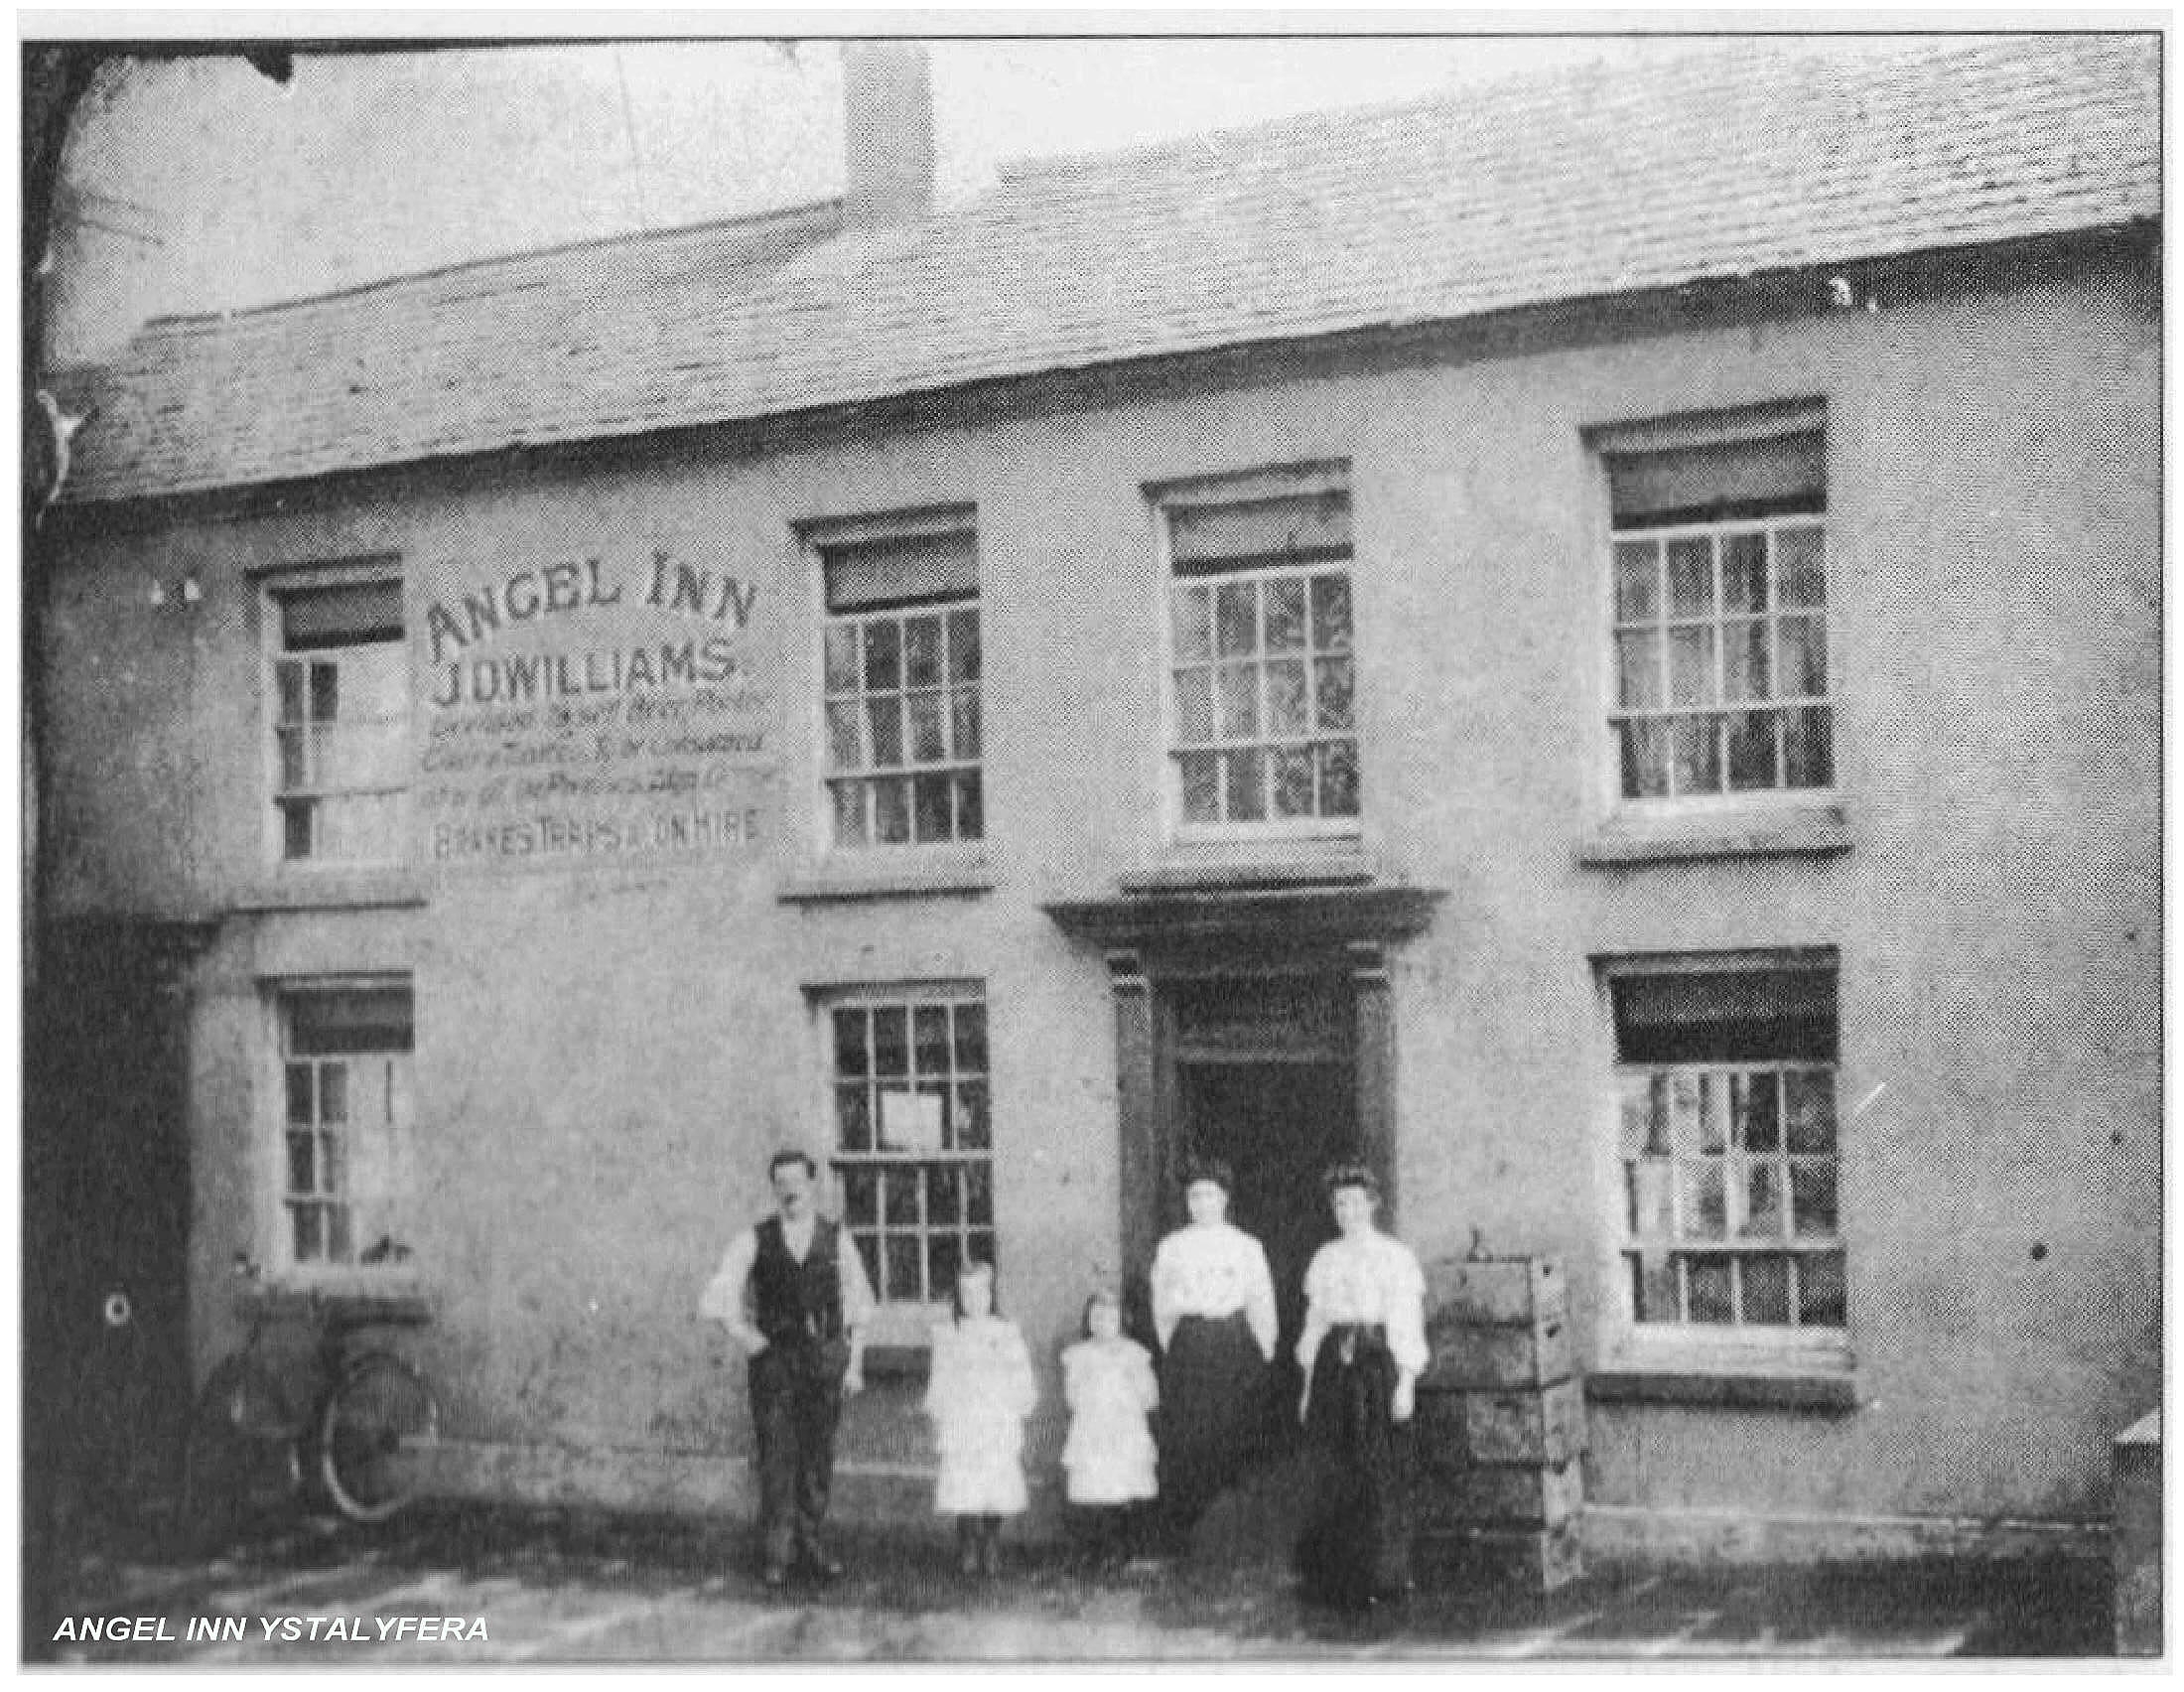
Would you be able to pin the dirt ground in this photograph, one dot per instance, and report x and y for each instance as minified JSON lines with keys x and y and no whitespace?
{"x":556,"y":1586}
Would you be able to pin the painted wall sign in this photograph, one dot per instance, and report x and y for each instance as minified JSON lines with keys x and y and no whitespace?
{"x":595,"y":709}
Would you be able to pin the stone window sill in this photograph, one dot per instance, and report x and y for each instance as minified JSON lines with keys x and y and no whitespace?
{"x":333,"y":889}
{"x":1813,"y":1386}
{"x":1756,"y":832}
{"x":837,"y":881}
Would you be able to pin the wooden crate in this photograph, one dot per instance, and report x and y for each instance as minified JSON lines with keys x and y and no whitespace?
{"x":1541,"y":1425}
{"x":1521,"y":1493}
{"x":1500,"y":1495}
{"x":1440,"y":1435}
{"x":1497,"y":1292}
{"x":1537,"y":1560}
{"x":1465,"y":1353}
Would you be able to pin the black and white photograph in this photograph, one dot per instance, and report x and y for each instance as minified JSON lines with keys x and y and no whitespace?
{"x":1091,"y":840}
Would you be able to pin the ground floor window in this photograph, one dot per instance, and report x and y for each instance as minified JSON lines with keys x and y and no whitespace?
{"x":346,"y":1123}
{"x":1727,"y":1081}
{"x":914,"y":1135}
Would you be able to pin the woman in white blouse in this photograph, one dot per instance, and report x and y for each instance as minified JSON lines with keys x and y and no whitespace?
{"x":1214,"y":1314}
{"x":1362,"y":1350}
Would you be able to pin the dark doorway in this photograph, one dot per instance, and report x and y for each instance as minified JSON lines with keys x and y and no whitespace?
{"x":1277,"y":1125}
{"x":1266,"y":1082}
{"x":106,"y":1240}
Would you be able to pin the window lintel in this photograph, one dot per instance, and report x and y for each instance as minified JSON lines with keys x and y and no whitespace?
{"x":1723,"y":427}
{"x":919,"y":522}
{"x":892,"y":990}
{"x":1736,"y":961}
{"x":280,"y":574}
{"x":290,"y":983}
{"x":1315,"y":478}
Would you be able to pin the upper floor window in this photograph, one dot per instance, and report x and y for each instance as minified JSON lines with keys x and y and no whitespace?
{"x":1721,"y":611}
{"x":1726,"y":1082}
{"x":902,"y":694}
{"x":346,"y":1134}
{"x":1263,"y":671}
{"x":340,"y":725}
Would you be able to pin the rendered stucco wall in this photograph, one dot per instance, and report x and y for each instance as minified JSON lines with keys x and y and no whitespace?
{"x":608,"y":1048}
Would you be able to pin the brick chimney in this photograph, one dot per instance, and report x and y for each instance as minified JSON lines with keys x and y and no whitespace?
{"x":887,"y":127}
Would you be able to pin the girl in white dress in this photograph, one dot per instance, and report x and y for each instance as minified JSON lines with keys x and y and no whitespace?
{"x":978,"y":1396}
{"x":1109,"y":1457}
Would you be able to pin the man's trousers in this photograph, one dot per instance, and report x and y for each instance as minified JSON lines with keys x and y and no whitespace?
{"x":795,"y":1403}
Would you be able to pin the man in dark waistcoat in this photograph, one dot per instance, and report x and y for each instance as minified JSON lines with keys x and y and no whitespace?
{"x":792,"y":1292}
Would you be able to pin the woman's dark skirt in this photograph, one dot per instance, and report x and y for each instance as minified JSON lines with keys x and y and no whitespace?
{"x":1212,"y":1412}
{"x":1356,"y":1544}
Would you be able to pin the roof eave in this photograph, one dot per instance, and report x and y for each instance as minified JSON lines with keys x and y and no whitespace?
{"x":1692,"y":303}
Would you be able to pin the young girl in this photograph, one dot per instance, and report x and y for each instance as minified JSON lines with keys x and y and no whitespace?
{"x":979,"y":1393}
{"x":1109,"y":1386}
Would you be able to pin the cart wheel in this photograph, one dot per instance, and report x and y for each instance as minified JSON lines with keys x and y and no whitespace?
{"x":380,"y":1424}
{"x":239,"y":1466}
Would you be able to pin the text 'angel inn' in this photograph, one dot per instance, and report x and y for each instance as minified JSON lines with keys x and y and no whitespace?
{"x":1593,"y":642}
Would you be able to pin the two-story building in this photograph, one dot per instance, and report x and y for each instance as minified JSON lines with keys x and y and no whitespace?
{"x":1595,"y":643}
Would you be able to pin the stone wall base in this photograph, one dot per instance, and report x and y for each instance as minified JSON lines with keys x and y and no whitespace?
{"x":901,"y":1494}
{"x":2138,"y":1539}
{"x":1624,"y":1533}
{"x":672,"y":1484}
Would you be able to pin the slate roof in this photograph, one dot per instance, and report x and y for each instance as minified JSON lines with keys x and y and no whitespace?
{"x":1567,"y":187}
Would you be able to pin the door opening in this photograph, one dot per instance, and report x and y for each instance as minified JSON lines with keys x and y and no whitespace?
{"x":1265,"y":1080}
